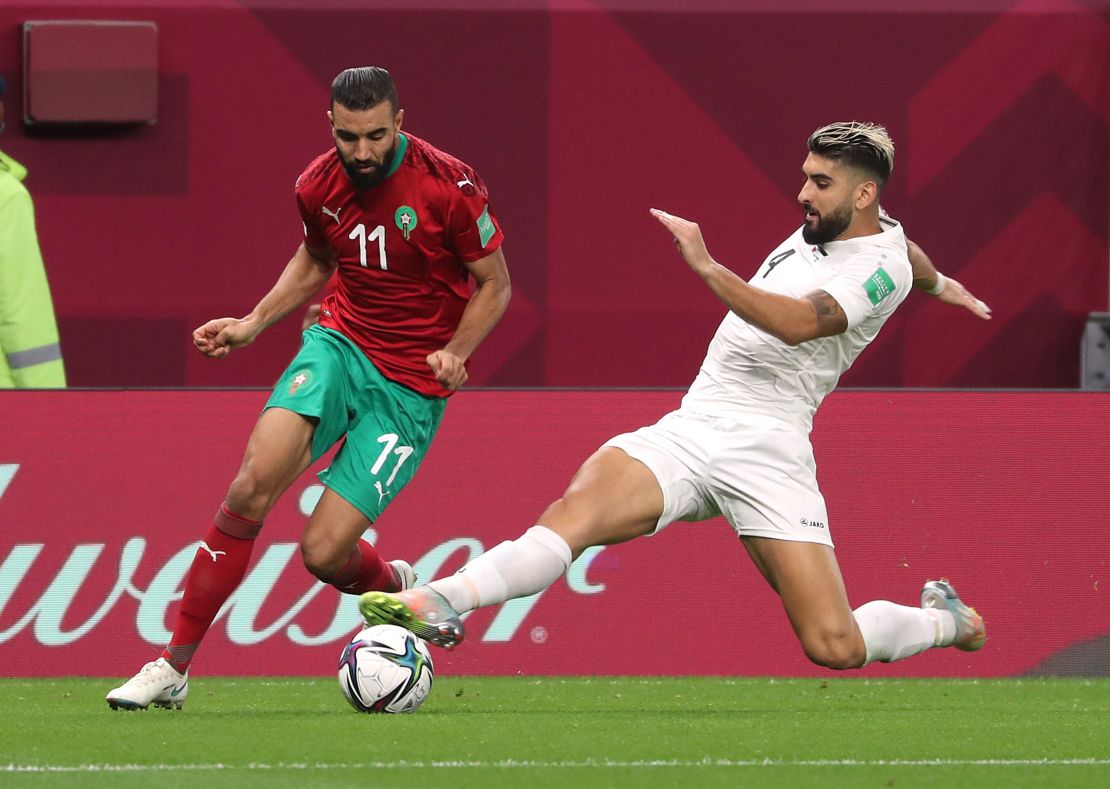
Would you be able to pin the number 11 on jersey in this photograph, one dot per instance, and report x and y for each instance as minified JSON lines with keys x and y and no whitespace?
{"x":377,"y":234}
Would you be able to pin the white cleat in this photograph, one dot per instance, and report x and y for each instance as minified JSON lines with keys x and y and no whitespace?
{"x":405,"y":574}
{"x":971,"y":633}
{"x":157,"y":683}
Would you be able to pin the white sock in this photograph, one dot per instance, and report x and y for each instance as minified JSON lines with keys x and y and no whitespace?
{"x":892,"y":632}
{"x":519,"y":568}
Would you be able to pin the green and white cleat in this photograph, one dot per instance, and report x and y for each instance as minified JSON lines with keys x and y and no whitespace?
{"x":971,"y":632}
{"x":157,"y":683}
{"x":422,"y":611}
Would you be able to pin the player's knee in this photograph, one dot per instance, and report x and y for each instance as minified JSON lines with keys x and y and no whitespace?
{"x":249,"y":494}
{"x":322,"y":560}
{"x":835,"y":651}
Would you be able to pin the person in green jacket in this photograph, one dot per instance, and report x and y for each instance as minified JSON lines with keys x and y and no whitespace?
{"x":30,"y":355}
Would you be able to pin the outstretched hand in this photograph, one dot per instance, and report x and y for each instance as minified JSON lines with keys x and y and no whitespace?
{"x":957,"y":295}
{"x":449,"y":369}
{"x":687,"y":238}
{"x":218,"y":337}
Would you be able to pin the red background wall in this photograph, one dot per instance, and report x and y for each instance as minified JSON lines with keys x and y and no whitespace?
{"x":1005,"y":493}
{"x":580,"y":116}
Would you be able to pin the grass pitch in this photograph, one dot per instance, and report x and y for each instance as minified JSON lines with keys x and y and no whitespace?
{"x":555,"y":732}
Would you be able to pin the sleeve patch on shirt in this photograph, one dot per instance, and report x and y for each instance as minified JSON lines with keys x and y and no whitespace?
{"x":878,"y":286}
{"x":486,"y":228}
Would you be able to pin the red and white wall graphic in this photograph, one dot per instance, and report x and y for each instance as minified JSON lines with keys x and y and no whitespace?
{"x":103,"y":496}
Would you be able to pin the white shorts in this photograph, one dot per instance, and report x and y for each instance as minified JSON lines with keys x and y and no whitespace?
{"x":758,"y":473}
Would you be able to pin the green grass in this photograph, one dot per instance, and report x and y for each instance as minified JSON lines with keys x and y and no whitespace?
{"x":581,"y":732}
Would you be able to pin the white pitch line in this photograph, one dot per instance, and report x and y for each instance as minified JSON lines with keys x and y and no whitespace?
{"x":546,"y":765}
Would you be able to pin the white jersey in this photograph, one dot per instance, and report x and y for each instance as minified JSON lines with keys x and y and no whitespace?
{"x":747,"y":370}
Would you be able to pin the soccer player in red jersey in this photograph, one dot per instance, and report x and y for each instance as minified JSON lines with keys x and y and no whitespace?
{"x":404,"y":226}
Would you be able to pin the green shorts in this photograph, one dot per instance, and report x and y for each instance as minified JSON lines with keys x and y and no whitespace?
{"x":388,"y":426}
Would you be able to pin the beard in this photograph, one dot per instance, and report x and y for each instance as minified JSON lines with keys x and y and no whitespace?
{"x":361,"y":180}
{"x":828,"y":226}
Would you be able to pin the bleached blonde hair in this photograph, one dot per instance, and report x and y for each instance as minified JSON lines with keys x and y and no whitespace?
{"x":864,"y":146}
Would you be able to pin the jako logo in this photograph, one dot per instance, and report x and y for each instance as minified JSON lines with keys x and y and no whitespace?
{"x":812,"y":524}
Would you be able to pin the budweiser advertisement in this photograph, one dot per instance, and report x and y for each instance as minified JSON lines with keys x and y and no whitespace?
{"x":105,"y":495}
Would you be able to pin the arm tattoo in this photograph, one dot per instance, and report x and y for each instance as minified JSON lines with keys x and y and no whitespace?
{"x":830,"y":317}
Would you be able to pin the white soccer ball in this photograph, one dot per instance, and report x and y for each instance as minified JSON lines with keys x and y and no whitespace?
{"x":385,"y":668}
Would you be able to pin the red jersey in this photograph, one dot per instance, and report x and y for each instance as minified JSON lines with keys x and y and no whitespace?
{"x":400,"y":248}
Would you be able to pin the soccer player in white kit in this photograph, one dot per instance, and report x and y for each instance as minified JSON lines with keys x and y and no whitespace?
{"x":738,"y":445}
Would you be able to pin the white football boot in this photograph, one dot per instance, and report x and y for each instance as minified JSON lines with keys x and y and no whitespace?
{"x":157,"y":683}
{"x":405,"y":574}
{"x":971,"y":633}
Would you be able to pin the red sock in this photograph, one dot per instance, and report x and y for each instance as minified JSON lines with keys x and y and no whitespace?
{"x":366,"y":571}
{"x":217,"y":569}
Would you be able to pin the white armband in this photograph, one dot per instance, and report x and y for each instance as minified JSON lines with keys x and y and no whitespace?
{"x":939,"y":287}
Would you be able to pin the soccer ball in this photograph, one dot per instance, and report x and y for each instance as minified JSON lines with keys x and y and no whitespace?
{"x":385,"y":668}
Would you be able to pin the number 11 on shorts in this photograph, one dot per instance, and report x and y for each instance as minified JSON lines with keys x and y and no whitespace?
{"x":402,"y":452}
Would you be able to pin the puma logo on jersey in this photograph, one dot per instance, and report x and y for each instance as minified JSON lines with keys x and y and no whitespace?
{"x":213,"y":553}
{"x":333,"y":214}
{"x":381,"y":493}
{"x":465,"y":180}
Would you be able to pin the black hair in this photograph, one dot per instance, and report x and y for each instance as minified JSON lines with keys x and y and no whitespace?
{"x":863,"y":146}
{"x":363,"y":87}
